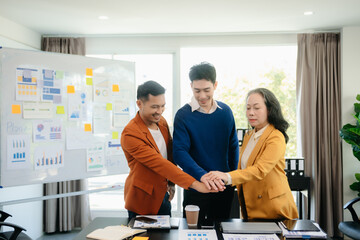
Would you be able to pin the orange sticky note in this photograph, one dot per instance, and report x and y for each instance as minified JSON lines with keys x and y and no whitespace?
{"x":115,"y":88}
{"x":140,"y":238}
{"x":70,"y":89}
{"x":87,"y":127}
{"x":19,"y":78}
{"x":15,"y":109}
{"x":89,"y":81}
{"x":89,"y":72}
{"x":109,"y":106}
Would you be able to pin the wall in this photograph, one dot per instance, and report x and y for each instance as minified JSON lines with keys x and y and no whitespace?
{"x":350,"y":88}
{"x":27,"y":215}
{"x":18,"y":35}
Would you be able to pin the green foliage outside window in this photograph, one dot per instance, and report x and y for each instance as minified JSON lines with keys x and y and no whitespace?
{"x":284,"y":89}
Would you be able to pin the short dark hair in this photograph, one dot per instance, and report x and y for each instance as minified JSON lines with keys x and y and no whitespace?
{"x":275,"y":116}
{"x":149,"y":87}
{"x":204,"y":70}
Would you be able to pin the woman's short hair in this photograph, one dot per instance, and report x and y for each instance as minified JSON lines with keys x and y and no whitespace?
{"x":275,"y":116}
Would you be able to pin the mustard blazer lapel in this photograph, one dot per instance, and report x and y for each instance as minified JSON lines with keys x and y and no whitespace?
{"x":259,"y":144}
{"x":146,"y":131}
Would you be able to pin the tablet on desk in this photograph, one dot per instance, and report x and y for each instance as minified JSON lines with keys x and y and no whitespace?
{"x":250,"y":227}
{"x":300,"y":225}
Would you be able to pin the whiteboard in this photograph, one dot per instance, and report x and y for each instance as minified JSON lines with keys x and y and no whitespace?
{"x":62,"y":116}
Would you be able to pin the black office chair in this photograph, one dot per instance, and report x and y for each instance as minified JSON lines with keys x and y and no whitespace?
{"x":15,"y":234}
{"x":351,"y":228}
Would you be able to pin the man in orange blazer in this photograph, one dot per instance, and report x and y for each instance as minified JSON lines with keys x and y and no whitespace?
{"x":147,"y":145}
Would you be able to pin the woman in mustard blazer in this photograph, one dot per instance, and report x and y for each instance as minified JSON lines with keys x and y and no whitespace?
{"x":263,"y":188}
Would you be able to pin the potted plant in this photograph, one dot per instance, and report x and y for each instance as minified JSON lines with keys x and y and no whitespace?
{"x":351,"y":134}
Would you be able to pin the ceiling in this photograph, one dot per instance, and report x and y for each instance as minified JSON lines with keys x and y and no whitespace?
{"x":80,"y":17}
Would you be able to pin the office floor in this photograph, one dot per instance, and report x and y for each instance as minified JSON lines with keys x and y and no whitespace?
{"x":60,"y":236}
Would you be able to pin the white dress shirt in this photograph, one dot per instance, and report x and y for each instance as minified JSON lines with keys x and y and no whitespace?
{"x":195,"y":106}
{"x":160,"y":141}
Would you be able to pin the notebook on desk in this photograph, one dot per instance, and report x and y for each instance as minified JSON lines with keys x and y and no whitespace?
{"x":250,"y":227}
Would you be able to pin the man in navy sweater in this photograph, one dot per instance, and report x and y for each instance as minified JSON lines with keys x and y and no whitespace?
{"x":205,"y":140}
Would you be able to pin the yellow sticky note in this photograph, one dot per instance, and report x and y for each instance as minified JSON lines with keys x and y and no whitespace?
{"x":60,"y":110}
{"x":89,"y":72}
{"x":33,"y":79}
{"x":15,"y":109}
{"x":87,"y":127}
{"x":89,"y":81}
{"x":115,"y":135}
{"x":140,"y":238}
{"x":109,"y":106}
{"x":115,"y":88}
{"x":70,"y":89}
{"x":59,"y":74}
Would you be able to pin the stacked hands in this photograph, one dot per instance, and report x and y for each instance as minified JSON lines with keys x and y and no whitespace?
{"x":211,"y":182}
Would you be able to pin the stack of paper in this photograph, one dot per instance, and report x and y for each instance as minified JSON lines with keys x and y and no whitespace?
{"x":114,"y":233}
{"x":303,"y":234}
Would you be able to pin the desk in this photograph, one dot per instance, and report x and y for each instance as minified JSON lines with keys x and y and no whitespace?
{"x":171,"y":234}
{"x":101,"y":222}
{"x":300,"y":184}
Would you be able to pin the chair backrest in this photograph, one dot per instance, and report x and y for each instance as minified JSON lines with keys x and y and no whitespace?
{"x":16,"y":234}
{"x":349,"y":205}
{"x":4,"y":216}
{"x":351,"y":228}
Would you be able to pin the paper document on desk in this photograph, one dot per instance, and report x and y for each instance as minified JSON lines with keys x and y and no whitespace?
{"x":303,"y":234}
{"x":114,"y":233}
{"x":250,"y":237}
{"x":162,"y":221}
{"x":196,"y":234}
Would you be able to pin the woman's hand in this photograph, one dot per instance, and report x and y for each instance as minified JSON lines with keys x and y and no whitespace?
{"x":217,"y":175}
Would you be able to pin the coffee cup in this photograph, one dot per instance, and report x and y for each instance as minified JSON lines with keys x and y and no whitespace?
{"x":192,"y":215}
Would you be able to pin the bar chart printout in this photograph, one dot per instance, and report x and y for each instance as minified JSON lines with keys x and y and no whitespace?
{"x":51,"y":156}
{"x":18,"y":152}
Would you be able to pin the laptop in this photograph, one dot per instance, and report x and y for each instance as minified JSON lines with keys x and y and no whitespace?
{"x":250,"y":227}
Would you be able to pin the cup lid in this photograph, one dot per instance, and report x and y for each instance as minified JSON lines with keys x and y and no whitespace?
{"x":192,"y":208}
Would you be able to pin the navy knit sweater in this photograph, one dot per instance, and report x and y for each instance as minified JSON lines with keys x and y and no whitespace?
{"x":205,"y":142}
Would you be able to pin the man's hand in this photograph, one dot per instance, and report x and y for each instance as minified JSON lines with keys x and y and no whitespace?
{"x":215,"y":183}
{"x":201,"y":187}
{"x":171,"y":191}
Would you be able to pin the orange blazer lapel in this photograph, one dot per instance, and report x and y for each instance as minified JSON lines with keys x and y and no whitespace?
{"x":146,"y":131}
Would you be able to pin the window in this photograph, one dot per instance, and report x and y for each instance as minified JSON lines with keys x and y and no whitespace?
{"x":240,"y":69}
{"x":157,"y":67}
